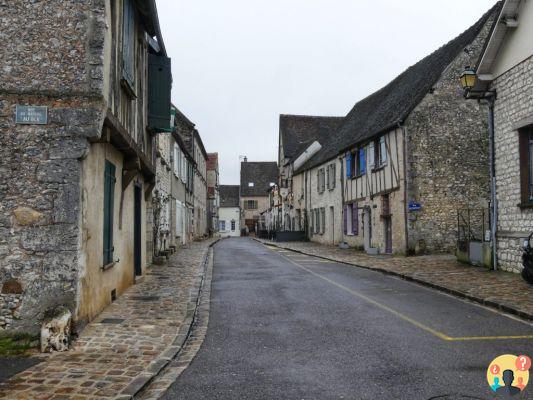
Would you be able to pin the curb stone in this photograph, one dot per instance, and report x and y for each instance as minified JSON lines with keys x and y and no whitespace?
{"x":160,"y":385}
{"x":488,"y":302}
{"x":157,"y":365}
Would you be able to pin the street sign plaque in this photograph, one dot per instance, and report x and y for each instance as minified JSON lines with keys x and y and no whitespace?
{"x":31,"y":115}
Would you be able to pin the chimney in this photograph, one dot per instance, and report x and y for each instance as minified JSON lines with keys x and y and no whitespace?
{"x":245,"y":159}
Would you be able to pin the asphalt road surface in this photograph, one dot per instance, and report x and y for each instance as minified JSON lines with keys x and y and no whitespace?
{"x":289,"y":326}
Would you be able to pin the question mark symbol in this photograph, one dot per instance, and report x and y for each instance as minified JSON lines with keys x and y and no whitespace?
{"x":495,"y":369}
{"x":523,"y":363}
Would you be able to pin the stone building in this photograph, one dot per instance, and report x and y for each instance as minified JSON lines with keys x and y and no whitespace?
{"x":307,"y":196}
{"x":198,"y":180}
{"x":406,"y":159}
{"x":213,"y":192}
{"x":506,"y":69}
{"x":256,"y":179}
{"x":229,"y":211}
{"x":182,"y":185}
{"x":78,"y":108}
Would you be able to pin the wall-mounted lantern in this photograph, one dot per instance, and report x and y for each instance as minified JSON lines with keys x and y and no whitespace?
{"x":468,"y":78}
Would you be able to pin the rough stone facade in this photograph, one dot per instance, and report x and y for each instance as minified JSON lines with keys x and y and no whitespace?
{"x":514,"y":102}
{"x":163,"y":190}
{"x":60,"y":55}
{"x":447,"y":157}
{"x":45,"y":64}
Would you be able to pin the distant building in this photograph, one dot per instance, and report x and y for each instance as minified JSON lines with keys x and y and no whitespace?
{"x":229,"y":211}
{"x":256,"y":180}
{"x":213,"y":194}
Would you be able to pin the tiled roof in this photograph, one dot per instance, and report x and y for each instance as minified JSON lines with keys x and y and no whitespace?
{"x":229,"y":195}
{"x":299,"y":131}
{"x":260,"y":174}
{"x":391,"y":105}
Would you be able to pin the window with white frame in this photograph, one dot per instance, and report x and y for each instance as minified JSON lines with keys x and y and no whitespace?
{"x":222,"y":225}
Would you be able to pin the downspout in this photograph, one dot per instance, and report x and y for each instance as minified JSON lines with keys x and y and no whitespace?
{"x":494,"y":200}
{"x":405,"y":143}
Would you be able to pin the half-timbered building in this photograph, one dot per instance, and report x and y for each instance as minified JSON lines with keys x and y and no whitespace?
{"x":416,"y":152}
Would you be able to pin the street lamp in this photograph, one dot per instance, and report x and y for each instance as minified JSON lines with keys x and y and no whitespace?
{"x":468,"y":79}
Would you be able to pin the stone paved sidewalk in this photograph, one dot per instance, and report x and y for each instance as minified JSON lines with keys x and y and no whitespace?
{"x":497,"y":289}
{"x":115,"y":360}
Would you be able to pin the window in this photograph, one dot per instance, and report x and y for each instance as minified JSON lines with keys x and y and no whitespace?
{"x":109,"y":207}
{"x":223,"y":225}
{"x":250,"y":184}
{"x":251,"y":205}
{"x":232,"y":224}
{"x":128,"y":45}
{"x":351,"y":219}
{"x":317,"y":219}
{"x":382,"y":151}
{"x":526,"y":165}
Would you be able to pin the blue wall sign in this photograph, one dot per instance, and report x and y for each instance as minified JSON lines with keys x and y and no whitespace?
{"x":415,"y":206}
{"x":31,"y":115}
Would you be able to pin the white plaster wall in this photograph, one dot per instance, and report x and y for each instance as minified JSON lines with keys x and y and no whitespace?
{"x":228,"y":214}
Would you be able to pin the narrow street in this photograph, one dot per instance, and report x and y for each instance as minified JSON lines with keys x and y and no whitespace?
{"x":284,"y":325}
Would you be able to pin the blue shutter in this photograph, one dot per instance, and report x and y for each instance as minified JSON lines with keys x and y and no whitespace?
{"x":349,"y":166}
{"x":362,"y":161}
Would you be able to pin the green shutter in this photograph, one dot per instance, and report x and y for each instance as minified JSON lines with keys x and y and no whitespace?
{"x":109,"y":206}
{"x":128,"y":44}
{"x":159,"y":88}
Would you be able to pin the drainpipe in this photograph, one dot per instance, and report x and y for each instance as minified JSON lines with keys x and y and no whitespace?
{"x":405,"y":184}
{"x":494,"y":201}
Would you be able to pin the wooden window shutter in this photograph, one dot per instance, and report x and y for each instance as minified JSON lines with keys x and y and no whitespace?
{"x":362,"y":161}
{"x":109,"y":206}
{"x":128,"y":44}
{"x":159,"y":88}
{"x":349,"y":166}
{"x":355,"y":219}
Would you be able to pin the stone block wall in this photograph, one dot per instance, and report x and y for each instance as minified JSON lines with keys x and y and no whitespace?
{"x":514,"y":102}
{"x":52,"y":56}
{"x":447,"y":157}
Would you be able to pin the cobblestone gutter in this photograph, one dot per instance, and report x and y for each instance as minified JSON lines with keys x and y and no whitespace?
{"x":120,"y":353}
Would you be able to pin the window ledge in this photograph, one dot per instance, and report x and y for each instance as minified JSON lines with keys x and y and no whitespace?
{"x":379,"y":168}
{"x":108,"y":266}
{"x":358,"y":176}
{"x":525,"y":205}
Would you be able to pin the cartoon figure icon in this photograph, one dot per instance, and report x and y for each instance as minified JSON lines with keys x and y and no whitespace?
{"x":508,"y":375}
{"x":520,"y":385}
{"x":496,"y":383}
{"x":508,"y":379}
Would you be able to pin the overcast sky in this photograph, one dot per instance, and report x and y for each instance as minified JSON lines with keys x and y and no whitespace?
{"x":238,"y":64}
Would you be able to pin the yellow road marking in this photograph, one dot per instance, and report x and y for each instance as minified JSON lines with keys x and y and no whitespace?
{"x":404,"y":317}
